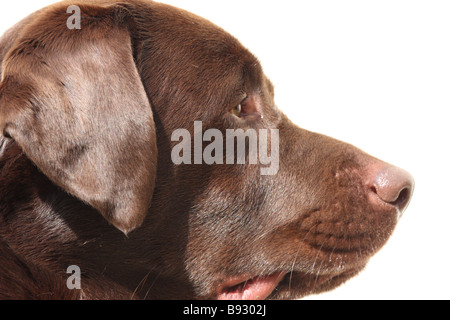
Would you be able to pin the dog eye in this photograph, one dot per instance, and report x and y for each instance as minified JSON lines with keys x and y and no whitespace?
{"x":237,"y":111}
{"x":241,"y":109}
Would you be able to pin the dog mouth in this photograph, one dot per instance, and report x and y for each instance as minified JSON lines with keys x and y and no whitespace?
{"x":327,"y":261}
{"x":281,"y":285}
{"x":332,"y":269}
{"x":249,"y":288}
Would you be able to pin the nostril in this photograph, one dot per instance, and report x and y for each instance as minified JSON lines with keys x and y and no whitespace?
{"x":394,"y":186}
{"x":403,"y":199}
{"x":374,"y":189}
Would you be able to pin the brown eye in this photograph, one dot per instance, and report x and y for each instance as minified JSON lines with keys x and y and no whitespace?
{"x":248,"y":109}
{"x":237,"y":110}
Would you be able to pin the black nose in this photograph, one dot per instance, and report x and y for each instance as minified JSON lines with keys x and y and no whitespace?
{"x":394,"y":186}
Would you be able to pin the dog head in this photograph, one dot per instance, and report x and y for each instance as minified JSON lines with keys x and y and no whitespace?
{"x":166,"y":125}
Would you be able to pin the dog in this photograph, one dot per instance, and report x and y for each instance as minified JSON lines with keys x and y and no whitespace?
{"x":93,"y":205}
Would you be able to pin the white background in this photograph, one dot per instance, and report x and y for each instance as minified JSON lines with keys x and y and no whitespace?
{"x":375,"y":74}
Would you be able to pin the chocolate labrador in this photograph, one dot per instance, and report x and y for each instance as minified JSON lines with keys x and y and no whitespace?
{"x":116,"y":180}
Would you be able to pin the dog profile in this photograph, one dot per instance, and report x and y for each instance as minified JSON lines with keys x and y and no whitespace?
{"x":88,"y":179}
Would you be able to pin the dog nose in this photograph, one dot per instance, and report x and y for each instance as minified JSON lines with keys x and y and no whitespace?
{"x":393,"y":186}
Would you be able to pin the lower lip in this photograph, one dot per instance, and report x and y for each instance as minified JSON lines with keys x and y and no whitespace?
{"x":245,"y":288}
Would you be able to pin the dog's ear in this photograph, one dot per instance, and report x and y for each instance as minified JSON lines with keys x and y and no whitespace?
{"x":74,"y":101}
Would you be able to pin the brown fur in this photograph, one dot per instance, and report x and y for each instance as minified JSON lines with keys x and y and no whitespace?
{"x":87,"y":117}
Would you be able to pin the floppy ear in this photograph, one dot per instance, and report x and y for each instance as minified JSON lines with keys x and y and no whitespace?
{"x":74,"y":101}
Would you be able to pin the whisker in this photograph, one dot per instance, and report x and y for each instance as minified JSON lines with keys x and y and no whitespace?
{"x":292,"y":266}
{"x":321,"y":264}
{"x":151,"y":286}
{"x":141,"y":284}
{"x":315,"y":260}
